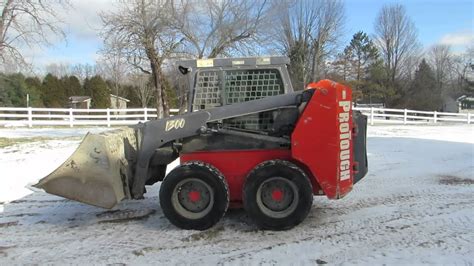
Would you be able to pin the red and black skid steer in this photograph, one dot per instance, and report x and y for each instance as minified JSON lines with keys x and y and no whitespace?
{"x":247,"y":140}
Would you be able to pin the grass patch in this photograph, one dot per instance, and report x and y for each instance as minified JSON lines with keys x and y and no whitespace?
{"x":6,"y":142}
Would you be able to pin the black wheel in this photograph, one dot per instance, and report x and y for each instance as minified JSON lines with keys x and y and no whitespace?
{"x":194,"y":195}
{"x":277,"y":195}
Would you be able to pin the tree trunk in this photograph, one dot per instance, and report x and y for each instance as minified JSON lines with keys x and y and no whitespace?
{"x":162,"y":109}
{"x":156,"y":73}
{"x":164,"y":97}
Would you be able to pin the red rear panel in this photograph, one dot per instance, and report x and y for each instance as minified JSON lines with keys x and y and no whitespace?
{"x":322,"y":139}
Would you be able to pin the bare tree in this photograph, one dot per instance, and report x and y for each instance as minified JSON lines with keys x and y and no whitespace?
{"x":217,"y":27}
{"x":27,"y":24}
{"x":142,"y":29}
{"x":463,"y":66}
{"x":441,"y":59}
{"x":58,"y":69}
{"x":84,"y":71}
{"x":113,"y":67}
{"x":144,"y":89}
{"x":327,"y":31}
{"x":396,"y":37}
{"x":212,"y":28}
{"x":78,"y":71}
{"x":310,"y":33}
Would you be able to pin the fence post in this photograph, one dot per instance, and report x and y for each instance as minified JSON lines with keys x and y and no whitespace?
{"x":371,"y":116}
{"x":108,"y":117}
{"x":71,"y":118}
{"x":30,"y":117}
{"x":468,"y":118}
{"x":405,"y":112}
{"x":435,"y":117}
{"x":145,"y":114}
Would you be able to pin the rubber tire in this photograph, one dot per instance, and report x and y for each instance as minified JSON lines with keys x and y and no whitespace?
{"x":206,"y":173}
{"x":285,"y":170}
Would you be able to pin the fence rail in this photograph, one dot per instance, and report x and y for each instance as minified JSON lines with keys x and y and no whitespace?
{"x":14,"y":116}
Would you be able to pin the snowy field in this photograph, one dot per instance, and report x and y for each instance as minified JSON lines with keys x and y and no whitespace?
{"x":415,"y":206}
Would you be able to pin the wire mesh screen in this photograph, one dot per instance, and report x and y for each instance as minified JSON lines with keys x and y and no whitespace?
{"x":239,"y":86}
{"x":208,"y":93}
{"x":247,"y":85}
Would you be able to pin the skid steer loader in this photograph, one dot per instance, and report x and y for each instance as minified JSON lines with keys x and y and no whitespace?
{"x":247,"y":140}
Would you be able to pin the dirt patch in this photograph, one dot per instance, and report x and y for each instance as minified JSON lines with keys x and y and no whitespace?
{"x":142,"y":251}
{"x":108,"y":213}
{"x":23,"y":215}
{"x":8,"y":224}
{"x":205,"y":235}
{"x":454,"y":180}
{"x":38,"y":201}
{"x":124,"y":216}
{"x":3,"y":252}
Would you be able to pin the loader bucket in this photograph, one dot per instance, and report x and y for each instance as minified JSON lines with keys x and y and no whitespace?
{"x":97,"y":172}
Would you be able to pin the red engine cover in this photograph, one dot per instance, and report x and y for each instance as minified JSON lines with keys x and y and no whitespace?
{"x":322,"y":139}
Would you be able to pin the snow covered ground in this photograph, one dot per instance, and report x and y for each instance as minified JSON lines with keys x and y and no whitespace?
{"x":416,"y":205}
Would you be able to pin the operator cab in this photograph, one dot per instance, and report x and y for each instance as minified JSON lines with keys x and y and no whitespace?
{"x":223,"y":81}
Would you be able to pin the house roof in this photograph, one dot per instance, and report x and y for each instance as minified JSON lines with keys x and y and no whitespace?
{"x":79,"y":99}
{"x":120,"y":98}
{"x":465,"y":98}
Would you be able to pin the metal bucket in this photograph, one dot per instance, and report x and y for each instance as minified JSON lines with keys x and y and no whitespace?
{"x":98,"y":172}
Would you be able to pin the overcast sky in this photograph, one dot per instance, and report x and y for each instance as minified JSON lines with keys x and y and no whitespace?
{"x":438,"y":21}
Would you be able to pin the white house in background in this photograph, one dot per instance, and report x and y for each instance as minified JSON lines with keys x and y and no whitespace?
{"x":80,"y":102}
{"x":466,"y":104}
{"x":84,"y":102}
{"x":450,"y":105}
{"x":117,"y":102}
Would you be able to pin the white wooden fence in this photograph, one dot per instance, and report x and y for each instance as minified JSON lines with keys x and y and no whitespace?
{"x":30,"y":117}
{"x":405,"y":116}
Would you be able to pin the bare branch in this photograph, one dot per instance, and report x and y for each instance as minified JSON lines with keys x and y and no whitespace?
{"x":213,"y":27}
{"x":396,"y":37}
{"x":140,"y":31}
{"x":27,"y":24}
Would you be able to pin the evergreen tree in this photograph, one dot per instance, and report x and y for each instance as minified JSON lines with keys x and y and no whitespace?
{"x":54,"y":95}
{"x":342,"y":69}
{"x":362,"y":53}
{"x":72,"y":85}
{"x":375,"y":89}
{"x":130,"y":92}
{"x":423,"y":92}
{"x":360,"y":56}
{"x":12,"y":90}
{"x":4,"y":98}
{"x":33,"y":88}
{"x":97,"y":88}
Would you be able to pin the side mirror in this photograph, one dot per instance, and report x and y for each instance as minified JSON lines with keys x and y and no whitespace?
{"x":184,"y":70}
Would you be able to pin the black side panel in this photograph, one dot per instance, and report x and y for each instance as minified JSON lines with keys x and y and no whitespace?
{"x":360,"y":146}
{"x":232,"y":140}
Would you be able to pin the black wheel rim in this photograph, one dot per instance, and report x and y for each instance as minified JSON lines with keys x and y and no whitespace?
{"x":192,"y":198}
{"x":277,"y":197}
